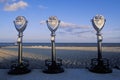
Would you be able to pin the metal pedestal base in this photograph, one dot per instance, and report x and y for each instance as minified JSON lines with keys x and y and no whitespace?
{"x":117,"y":67}
{"x":53,"y":67}
{"x":19,"y":68}
{"x":100,"y":66}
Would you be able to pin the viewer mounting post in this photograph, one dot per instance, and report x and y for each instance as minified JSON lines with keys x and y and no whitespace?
{"x":99,"y":65}
{"x":20,"y":66}
{"x":53,"y":65}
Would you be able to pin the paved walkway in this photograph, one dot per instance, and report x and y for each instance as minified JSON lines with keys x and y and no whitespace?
{"x":69,"y":74}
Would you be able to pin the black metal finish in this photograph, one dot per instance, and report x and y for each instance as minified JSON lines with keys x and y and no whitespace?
{"x":100,"y":65}
{"x":21,"y":66}
{"x":20,"y":47}
{"x":53,"y":51}
{"x":53,"y":65}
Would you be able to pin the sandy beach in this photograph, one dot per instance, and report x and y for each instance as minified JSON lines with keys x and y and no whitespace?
{"x":73,"y":57}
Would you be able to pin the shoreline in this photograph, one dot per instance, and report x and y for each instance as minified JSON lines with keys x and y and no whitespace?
{"x":110,"y":49}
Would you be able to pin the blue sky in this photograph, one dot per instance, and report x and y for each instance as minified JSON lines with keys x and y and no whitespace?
{"x":75,"y":16}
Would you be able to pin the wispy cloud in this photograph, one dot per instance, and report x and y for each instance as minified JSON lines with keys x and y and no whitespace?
{"x":42,"y":7}
{"x":3,"y":1}
{"x":71,"y":28}
{"x":15,"y":6}
{"x":67,"y":25}
{"x":71,"y":25}
{"x":42,"y":22}
{"x":82,"y":32}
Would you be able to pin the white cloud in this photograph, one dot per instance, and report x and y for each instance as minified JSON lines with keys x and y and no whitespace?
{"x":3,"y":1}
{"x":42,"y":7}
{"x":67,"y":25}
{"x":15,"y":6}
{"x":42,"y":22}
{"x":71,"y":25}
{"x":13,"y":0}
{"x":71,"y":28}
{"x":74,"y":30}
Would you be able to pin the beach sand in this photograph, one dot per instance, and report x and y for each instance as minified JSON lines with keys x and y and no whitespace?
{"x":73,"y":57}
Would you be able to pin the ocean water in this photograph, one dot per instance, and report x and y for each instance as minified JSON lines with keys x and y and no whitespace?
{"x":65,"y":44}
